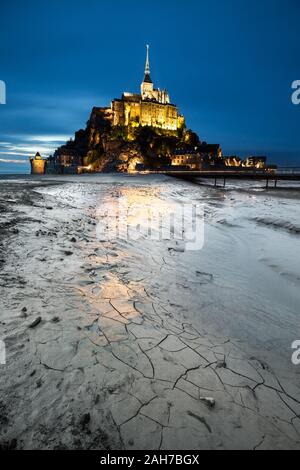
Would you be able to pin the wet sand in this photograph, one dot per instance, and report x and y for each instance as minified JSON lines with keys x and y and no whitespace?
{"x":138,"y":344}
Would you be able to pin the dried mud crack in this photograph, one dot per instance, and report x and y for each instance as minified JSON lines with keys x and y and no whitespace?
{"x":100,"y":357}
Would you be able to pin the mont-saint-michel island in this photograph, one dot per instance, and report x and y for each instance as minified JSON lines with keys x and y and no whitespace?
{"x":139,"y":132}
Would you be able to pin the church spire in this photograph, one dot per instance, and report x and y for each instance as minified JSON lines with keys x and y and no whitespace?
{"x":147,"y":77}
{"x":147,"y":68}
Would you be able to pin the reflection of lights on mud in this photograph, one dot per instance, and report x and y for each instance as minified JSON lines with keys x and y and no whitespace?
{"x":140,"y":214}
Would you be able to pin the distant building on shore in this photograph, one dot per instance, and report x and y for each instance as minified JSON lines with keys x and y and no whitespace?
{"x":187,"y":158}
{"x":259,"y":163}
{"x":232,"y":161}
{"x":209,"y":157}
{"x":202,"y":157}
{"x":255,"y":162}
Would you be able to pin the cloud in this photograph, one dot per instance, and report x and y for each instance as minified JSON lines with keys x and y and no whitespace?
{"x":4,"y":160}
{"x":17,"y":154}
{"x":48,"y":138}
{"x":35,"y":122}
{"x":28,"y":145}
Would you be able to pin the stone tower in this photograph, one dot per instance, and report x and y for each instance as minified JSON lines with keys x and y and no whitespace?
{"x":38,"y":165}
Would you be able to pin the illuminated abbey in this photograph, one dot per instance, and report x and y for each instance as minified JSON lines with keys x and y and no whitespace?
{"x":151,"y":107}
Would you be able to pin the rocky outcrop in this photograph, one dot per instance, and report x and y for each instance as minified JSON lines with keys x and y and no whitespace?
{"x":101,"y":146}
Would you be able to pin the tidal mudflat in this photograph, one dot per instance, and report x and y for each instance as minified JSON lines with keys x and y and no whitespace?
{"x":139,"y":344}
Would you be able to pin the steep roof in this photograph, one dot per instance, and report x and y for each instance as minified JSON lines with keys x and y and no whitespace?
{"x":147,"y":78}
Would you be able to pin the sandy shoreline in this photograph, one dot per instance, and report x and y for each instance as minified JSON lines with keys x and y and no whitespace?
{"x":116,"y":359}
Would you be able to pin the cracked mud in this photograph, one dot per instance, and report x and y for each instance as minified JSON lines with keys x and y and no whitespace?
{"x":108,"y":343}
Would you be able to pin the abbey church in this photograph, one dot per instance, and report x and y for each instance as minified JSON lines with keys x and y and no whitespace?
{"x":152,"y":107}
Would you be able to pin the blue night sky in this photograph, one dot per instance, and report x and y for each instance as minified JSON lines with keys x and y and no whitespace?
{"x":227,"y":64}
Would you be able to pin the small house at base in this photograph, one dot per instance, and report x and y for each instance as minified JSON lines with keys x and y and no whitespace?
{"x":187,"y":158}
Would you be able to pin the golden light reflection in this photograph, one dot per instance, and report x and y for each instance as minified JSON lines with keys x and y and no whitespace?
{"x":137,"y":213}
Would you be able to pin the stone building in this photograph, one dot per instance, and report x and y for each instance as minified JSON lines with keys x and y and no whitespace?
{"x":191,"y":159}
{"x":255,"y":162}
{"x":152,"y":107}
{"x":232,"y":161}
{"x":203,"y":156}
{"x":38,"y":164}
{"x":259,"y":163}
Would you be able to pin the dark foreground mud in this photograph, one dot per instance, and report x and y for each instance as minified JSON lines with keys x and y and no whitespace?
{"x":106,"y":346}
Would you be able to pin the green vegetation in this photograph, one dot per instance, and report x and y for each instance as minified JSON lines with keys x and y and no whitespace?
{"x":164,"y":143}
{"x":118,"y":133}
{"x":117,"y":147}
